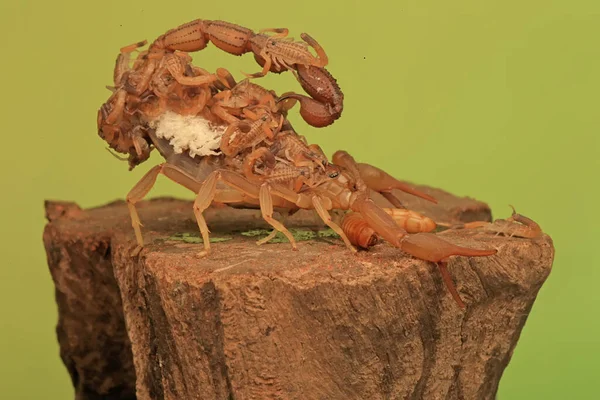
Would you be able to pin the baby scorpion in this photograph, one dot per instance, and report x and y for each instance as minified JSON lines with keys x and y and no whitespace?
{"x":275,"y":53}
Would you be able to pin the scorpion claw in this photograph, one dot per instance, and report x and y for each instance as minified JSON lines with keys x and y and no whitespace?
{"x":443,"y":266}
{"x":253,"y":76}
{"x":424,"y":245}
{"x":315,"y":113}
{"x":430,"y":247}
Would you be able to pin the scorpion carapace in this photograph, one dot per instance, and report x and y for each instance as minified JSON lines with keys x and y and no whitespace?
{"x":230,"y":142}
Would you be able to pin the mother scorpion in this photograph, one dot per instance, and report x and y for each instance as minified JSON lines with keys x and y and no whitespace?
{"x":287,"y":180}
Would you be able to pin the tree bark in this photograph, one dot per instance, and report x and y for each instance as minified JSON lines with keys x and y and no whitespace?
{"x":265,"y":322}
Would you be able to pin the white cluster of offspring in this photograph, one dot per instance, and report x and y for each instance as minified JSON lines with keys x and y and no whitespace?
{"x":189,"y":133}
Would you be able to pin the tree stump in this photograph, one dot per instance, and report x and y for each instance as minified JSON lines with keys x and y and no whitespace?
{"x":266,"y":322}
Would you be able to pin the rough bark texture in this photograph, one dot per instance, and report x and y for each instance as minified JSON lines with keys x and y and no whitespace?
{"x":268,"y":323}
{"x":91,"y":329}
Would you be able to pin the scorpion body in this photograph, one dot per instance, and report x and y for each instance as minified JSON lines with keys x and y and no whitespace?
{"x":262,"y":162}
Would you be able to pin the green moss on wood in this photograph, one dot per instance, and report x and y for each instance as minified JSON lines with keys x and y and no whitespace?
{"x":298,"y":234}
{"x":190,"y":238}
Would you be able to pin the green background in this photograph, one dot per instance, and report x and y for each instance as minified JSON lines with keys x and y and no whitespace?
{"x":497,"y":100}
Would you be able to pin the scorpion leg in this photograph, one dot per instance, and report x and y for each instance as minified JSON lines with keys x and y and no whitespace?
{"x":223,"y":114}
{"x":203,"y":200}
{"x":122,"y":63}
{"x":177,"y":70}
{"x":137,"y":193}
{"x":132,"y":47}
{"x":229,"y":196}
{"x":145,"y":184}
{"x":117,"y":108}
{"x":273,"y":233}
{"x":322,"y":56}
{"x":279,"y":32}
{"x":194,"y":80}
{"x":226,"y":78}
{"x":208,"y":193}
{"x":266,"y":207}
{"x":322,"y":211}
{"x":266,"y":67}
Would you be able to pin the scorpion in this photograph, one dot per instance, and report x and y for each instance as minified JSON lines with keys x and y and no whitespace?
{"x":236,"y":139}
{"x":230,"y":103}
{"x":517,"y":225}
{"x":163,"y":72}
{"x":291,"y":147}
{"x":122,"y":134}
{"x":276,"y":53}
{"x":264,"y":163}
{"x":342,"y":187}
{"x":174,"y":85}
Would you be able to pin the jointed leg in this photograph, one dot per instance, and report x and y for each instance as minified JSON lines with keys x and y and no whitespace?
{"x":266,"y":67}
{"x":192,"y":80}
{"x":117,"y":107}
{"x":132,"y":47}
{"x":265,"y":200}
{"x":208,"y":193}
{"x":324,"y":60}
{"x":266,"y":207}
{"x":279,"y":32}
{"x":145,"y":77}
{"x":322,"y":211}
{"x":203,"y":199}
{"x":227,"y":196}
{"x":223,"y":114}
{"x":226,"y":78}
{"x":139,"y":191}
{"x":273,"y":233}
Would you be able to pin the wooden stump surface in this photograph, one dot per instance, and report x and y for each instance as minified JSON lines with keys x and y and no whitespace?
{"x":265,"y":322}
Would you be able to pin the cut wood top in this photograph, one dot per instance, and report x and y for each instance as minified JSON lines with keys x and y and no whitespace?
{"x":169,"y":227}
